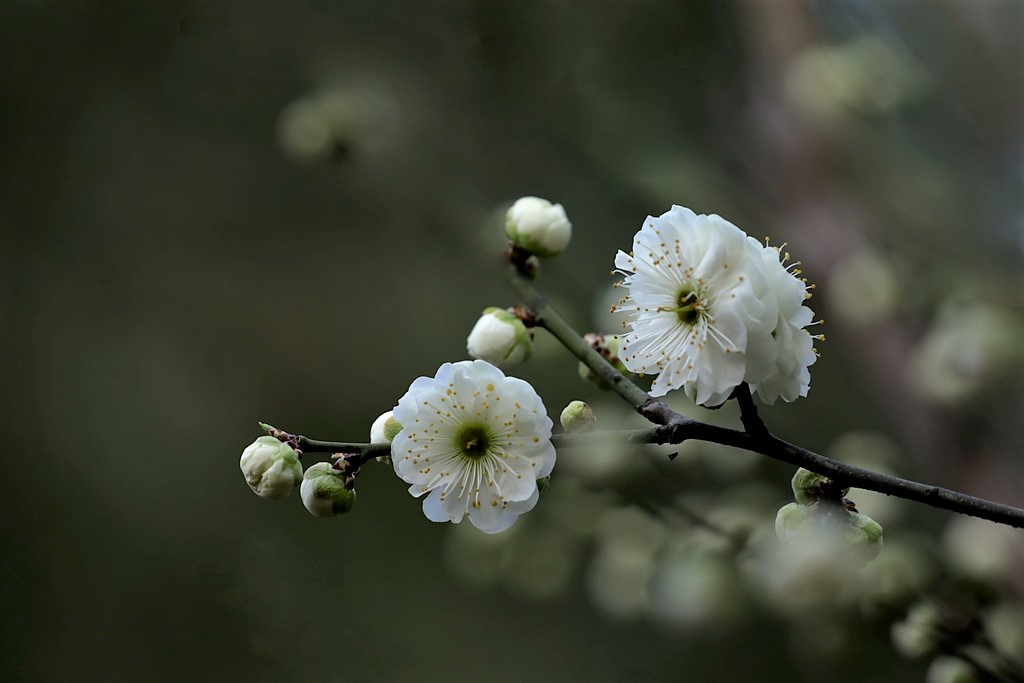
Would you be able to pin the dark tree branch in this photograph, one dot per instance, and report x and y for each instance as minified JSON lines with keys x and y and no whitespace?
{"x":674,"y":428}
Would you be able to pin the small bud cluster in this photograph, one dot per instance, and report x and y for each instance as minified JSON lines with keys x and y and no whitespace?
{"x":608,"y":346}
{"x":821,"y":507}
{"x":272,"y":469}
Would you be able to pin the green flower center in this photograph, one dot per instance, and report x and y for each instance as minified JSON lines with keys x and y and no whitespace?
{"x":473,"y":441}
{"x":689,"y":307}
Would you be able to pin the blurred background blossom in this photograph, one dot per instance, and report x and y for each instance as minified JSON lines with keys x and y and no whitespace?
{"x":217,"y":213}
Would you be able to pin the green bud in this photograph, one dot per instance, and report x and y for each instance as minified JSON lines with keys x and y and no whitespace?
{"x":543,"y":483}
{"x":577,"y":417}
{"x":864,"y":534}
{"x":791,"y":522}
{"x":271,"y":467}
{"x":324,"y":492}
{"x":808,"y":487}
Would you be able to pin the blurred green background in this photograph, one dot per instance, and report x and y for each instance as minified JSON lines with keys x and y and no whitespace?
{"x":218,"y":213}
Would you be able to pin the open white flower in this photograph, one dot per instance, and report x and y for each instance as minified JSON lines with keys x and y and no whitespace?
{"x":701,"y":312}
{"x":474,"y":442}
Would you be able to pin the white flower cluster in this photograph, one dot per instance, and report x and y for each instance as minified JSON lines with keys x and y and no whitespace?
{"x":710,"y":307}
{"x":474,"y":442}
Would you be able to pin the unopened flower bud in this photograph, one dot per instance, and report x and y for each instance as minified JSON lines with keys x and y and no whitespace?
{"x":538,"y":226}
{"x":543,"y":483}
{"x":608,"y":346}
{"x":864,"y":534}
{"x":791,"y":522}
{"x":500,"y":338}
{"x":324,"y":492}
{"x":271,"y":467}
{"x":809,"y":487}
{"x":383,"y":430}
{"x":577,"y":417}
{"x":531,"y":267}
{"x":920,"y":631}
{"x":951,"y":670}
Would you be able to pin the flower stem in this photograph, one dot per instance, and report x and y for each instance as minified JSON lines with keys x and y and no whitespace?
{"x":546,"y":317}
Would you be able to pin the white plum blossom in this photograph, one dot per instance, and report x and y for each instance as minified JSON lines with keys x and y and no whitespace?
{"x":699,"y":306}
{"x":500,"y":338}
{"x":271,"y":467}
{"x":709,"y":308}
{"x":538,"y":226}
{"x":474,"y":442}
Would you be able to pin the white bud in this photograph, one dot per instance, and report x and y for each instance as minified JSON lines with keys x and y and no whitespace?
{"x":577,"y":417}
{"x":271,"y":467}
{"x":385,"y":428}
{"x":500,"y":338}
{"x":538,"y":226}
{"x":324,"y":492}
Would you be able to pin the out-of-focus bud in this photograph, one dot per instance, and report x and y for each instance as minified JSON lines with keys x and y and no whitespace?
{"x":865,"y":288}
{"x":808,"y":487}
{"x":271,"y":467}
{"x":608,"y":346}
{"x":919,"y":632}
{"x":577,"y":417}
{"x":951,"y":670}
{"x":500,"y":338}
{"x":983,"y":551}
{"x":972,"y":352}
{"x":857,"y":537}
{"x":1004,"y":626}
{"x":324,"y":493}
{"x":538,"y":226}
{"x":864,"y":534}
{"x":791,"y":522}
